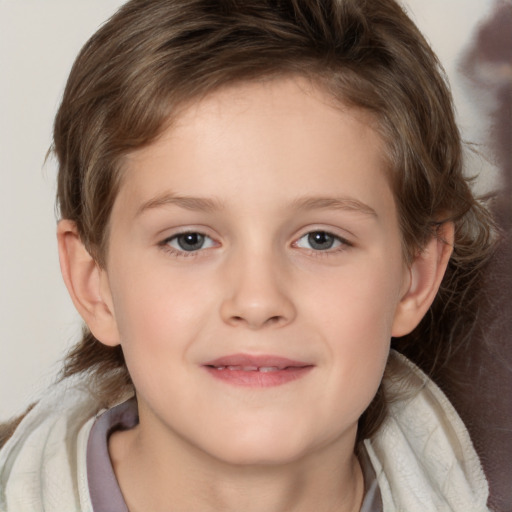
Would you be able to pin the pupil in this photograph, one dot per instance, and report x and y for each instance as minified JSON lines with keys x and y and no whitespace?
{"x":190,"y":241}
{"x":320,"y":240}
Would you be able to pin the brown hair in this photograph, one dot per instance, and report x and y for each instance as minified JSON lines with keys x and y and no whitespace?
{"x":153,"y":56}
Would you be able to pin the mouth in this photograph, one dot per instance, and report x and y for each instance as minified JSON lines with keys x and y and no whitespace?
{"x":256,"y":371}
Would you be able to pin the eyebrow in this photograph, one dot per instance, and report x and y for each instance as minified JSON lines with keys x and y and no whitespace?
{"x":336,"y":203}
{"x":186,"y":202}
{"x":209,"y":205}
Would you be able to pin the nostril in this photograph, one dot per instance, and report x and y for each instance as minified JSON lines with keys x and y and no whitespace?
{"x":252,"y":322}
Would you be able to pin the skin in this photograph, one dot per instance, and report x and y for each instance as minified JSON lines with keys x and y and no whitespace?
{"x":255,"y":168}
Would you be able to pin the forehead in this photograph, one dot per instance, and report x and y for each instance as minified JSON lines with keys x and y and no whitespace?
{"x":286,"y":138}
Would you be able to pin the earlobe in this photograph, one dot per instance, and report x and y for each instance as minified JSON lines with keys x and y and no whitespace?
{"x":426,"y":274}
{"x":87,"y":284}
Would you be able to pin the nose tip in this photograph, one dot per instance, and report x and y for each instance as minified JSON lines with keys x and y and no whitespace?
{"x":257,"y":300}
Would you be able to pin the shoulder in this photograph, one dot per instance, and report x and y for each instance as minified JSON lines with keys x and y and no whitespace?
{"x":42,"y":464}
{"x":423,"y":455}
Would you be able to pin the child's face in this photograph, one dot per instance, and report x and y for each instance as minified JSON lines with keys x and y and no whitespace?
{"x":260,"y":226}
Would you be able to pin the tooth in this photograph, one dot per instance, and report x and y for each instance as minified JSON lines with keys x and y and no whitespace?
{"x":250,"y":368}
{"x":266,"y":369}
{"x":234,"y":367}
{"x":220,"y":367}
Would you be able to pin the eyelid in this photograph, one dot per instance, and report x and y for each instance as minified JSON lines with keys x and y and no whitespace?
{"x":164,"y":235}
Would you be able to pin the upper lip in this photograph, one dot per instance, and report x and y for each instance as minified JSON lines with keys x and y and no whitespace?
{"x":260,"y":361}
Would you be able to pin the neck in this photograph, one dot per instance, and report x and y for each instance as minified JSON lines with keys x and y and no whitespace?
{"x":152,"y":478}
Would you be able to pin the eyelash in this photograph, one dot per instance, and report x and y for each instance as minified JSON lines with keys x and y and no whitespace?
{"x":342,"y":244}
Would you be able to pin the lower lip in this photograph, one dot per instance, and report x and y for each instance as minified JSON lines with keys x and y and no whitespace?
{"x":257,"y":379}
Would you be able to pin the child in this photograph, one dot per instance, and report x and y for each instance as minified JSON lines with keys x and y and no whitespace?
{"x":256,"y":197}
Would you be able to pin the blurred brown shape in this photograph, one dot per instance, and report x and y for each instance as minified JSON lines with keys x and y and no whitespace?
{"x":483,"y":390}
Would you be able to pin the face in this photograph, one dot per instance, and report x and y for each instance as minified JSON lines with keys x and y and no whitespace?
{"x":254,"y":271}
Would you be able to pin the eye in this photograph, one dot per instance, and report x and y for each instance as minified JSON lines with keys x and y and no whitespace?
{"x":189,"y":242}
{"x":320,"y":241}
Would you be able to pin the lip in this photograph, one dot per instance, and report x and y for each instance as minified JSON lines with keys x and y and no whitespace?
{"x":256,"y":370}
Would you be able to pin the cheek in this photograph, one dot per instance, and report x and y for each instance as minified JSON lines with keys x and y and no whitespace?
{"x":357,"y":301}
{"x":356,"y":309}
{"x":146,"y":304}
{"x":160,"y":312}
{"x":158,"y":322}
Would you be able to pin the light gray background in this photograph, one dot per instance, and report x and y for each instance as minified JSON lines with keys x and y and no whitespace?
{"x":38,"y":42}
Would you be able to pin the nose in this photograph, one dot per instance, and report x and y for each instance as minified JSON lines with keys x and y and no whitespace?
{"x":255,"y":294}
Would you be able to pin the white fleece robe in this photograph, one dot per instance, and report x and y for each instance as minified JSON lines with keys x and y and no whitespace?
{"x":422,"y":455}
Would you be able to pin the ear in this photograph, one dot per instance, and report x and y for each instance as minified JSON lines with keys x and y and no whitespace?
{"x":425,"y":276}
{"x":87,"y":284}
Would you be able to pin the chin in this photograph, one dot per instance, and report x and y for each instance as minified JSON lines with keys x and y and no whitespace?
{"x":275,"y":448}
{"x":260,"y":456}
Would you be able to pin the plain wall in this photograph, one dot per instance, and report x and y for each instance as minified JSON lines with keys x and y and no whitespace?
{"x":38,"y":42}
